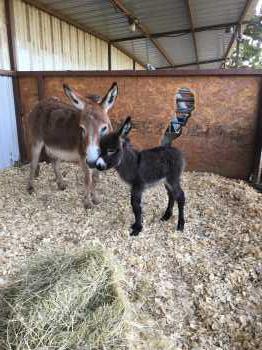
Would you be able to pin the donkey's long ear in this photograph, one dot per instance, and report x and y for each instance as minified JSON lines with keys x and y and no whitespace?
{"x":75,"y":98}
{"x":110,"y":97}
{"x":125,"y":128}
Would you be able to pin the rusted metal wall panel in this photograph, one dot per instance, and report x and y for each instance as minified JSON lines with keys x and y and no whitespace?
{"x":9,"y":149}
{"x":219,"y":137}
{"x":4,"y":50}
{"x":44,"y":42}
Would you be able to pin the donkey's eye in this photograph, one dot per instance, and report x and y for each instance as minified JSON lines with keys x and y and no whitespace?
{"x":103,"y":130}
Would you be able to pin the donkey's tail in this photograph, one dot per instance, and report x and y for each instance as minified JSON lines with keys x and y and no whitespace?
{"x":184,"y":106}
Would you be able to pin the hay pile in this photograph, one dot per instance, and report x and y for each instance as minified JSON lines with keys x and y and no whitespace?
{"x":196,"y":290}
{"x":64,"y":300}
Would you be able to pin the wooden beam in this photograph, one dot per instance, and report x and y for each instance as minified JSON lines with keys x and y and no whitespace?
{"x":146,"y":73}
{"x":7,"y":73}
{"x":10,"y":26}
{"x":179,"y":32}
{"x":190,"y":16}
{"x":86,"y":29}
{"x":129,"y":14}
{"x":240,"y":21}
{"x":192,"y":63}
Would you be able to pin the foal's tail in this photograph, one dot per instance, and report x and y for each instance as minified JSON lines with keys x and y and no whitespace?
{"x":184,"y":106}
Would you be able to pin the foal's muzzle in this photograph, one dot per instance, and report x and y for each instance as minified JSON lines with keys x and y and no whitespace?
{"x":100,"y":164}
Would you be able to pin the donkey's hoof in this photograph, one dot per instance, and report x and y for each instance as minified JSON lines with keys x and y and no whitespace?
{"x":136,"y":228}
{"x":95,"y":200}
{"x":88,"y":205}
{"x":61,"y":186}
{"x":166,"y":217}
{"x":30,"y":189}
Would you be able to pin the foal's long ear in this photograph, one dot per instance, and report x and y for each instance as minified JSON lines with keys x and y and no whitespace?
{"x":125,"y":128}
{"x":75,"y":98}
{"x":110,"y":97}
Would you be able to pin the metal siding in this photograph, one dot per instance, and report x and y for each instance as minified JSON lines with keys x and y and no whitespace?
{"x":4,"y":52}
{"x":9,"y":149}
{"x":44,"y":42}
{"x":120,"y":60}
{"x":139,"y":67}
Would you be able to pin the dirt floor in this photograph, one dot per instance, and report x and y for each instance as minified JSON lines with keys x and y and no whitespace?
{"x":197,"y":290}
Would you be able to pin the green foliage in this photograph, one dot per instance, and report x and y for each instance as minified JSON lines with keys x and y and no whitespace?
{"x":250,"y":47}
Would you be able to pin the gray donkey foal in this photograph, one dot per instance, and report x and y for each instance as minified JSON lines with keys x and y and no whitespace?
{"x":143,"y":169}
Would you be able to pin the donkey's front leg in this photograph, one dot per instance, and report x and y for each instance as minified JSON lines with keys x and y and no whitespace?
{"x":36,"y":151}
{"x":95,"y":178}
{"x":136,"y":195}
{"x":59,"y":178}
{"x":88,"y":184}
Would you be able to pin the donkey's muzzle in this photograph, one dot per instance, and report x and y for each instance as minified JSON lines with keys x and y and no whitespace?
{"x":91,"y":165}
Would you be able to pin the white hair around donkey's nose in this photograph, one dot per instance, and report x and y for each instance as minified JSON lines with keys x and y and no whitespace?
{"x":92,"y":154}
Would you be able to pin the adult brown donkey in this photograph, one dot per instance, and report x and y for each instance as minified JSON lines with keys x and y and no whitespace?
{"x":71,"y":133}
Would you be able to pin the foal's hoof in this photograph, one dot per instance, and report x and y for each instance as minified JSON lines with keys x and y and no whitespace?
{"x":61,"y":186}
{"x":30,"y":189}
{"x":180,"y":226}
{"x":136,"y":228}
{"x":166,"y":217}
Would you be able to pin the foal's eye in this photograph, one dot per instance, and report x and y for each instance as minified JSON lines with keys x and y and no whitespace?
{"x":111,"y":152}
{"x":103,"y":130}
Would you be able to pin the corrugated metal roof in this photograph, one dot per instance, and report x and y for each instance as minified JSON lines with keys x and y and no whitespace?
{"x":212,"y":44}
{"x":145,"y":51}
{"x":210,"y":12}
{"x":159,"y":16}
{"x":180,"y":48}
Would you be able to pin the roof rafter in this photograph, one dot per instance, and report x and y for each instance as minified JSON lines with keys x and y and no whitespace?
{"x":118,"y":4}
{"x":85,"y":29}
{"x":180,"y":31}
{"x":190,"y":16}
{"x":239,"y":22}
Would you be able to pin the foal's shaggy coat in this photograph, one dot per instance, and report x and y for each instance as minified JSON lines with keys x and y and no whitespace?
{"x":143,"y":169}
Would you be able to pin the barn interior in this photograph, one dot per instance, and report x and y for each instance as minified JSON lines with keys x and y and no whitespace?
{"x":195,"y":290}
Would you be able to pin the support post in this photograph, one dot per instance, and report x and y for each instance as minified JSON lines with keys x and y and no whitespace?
{"x":40,"y":87}
{"x":109,"y":57}
{"x":257,"y":168}
{"x":134,"y":65}
{"x":10,"y":26}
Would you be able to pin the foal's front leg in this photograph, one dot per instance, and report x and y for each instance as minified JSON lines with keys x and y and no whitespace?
{"x":136,"y":196}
